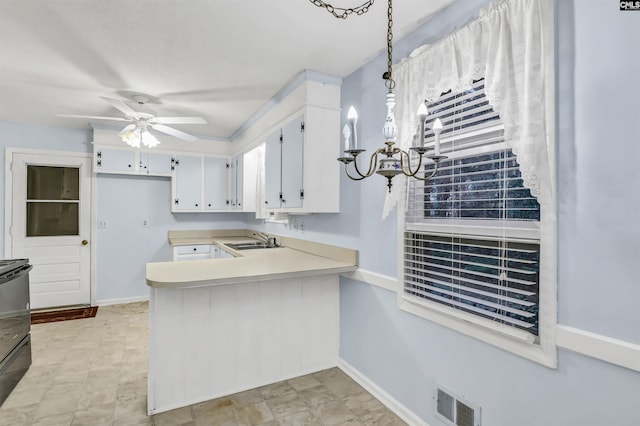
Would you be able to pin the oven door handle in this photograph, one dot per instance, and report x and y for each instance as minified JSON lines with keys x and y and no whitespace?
{"x":15,"y":274}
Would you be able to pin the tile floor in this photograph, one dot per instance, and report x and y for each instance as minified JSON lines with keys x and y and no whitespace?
{"x":94,"y":372}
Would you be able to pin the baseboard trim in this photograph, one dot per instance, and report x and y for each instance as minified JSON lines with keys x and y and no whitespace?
{"x":381,"y":395}
{"x":373,"y":278}
{"x":614,"y":351}
{"x":106,"y":302}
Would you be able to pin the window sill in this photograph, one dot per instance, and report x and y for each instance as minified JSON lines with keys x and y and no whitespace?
{"x":504,"y":337}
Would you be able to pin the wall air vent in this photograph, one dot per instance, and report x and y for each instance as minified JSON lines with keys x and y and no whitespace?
{"x":454,"y":410}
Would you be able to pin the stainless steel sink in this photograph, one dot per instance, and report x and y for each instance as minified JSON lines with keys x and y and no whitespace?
{"x":250,"y":245}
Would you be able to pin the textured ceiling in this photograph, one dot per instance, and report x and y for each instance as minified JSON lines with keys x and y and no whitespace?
{"x":218,"y":59}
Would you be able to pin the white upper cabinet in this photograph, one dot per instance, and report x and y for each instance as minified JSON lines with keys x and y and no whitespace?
{"x":237,"y":182}
{"x":216,"y":178}
{"x":187,"y":183}
{"x":110,"y":160}
{"x":131,"y":162}
{"x":302,"y":174}
{"x":200,"y":184}
{"x":292,"y":164}
{"x":273,"y":161}
{"x":155,"y":164}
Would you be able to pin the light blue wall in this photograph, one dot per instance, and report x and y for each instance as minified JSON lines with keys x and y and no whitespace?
{"x":125,"y":246}
{"x":21,"y":135}
{"x":598,"y":243}
{"x":599,"y":173}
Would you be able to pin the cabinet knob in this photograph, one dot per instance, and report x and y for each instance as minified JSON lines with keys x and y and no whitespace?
{"x":196,"y":204}
{"x":209,"y":205}
{"x":129,"y":165}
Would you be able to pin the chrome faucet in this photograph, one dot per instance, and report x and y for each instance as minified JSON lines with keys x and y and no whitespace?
{"x":271,"y":241}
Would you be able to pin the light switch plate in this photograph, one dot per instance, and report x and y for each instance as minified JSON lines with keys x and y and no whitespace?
{"x":103,"y":224}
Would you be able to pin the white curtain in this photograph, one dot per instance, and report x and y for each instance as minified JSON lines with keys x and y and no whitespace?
{"x":506,"y":46}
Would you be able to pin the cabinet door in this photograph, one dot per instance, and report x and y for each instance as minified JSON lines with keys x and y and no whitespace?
{"x":272,"y":163}
{"x":188,"y":183}
{"x":155,"y":164}
{"x":292,"y":163}
{"x":115,"y":160}
{"x":215,"y":183}
{"x":236,"y":181}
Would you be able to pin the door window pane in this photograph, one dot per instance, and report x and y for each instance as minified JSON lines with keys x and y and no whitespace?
{"x":52,"y":219}
{"x":53,"y":183}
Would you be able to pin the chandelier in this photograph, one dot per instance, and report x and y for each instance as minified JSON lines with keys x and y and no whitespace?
{"x":389,"y":160}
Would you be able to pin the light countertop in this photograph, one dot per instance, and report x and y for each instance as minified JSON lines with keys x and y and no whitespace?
{"x":298,"y":258}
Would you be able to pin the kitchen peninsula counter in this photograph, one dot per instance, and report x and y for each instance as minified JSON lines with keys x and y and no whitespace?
{"x":221,"y":326}
{"x":249,"y":265}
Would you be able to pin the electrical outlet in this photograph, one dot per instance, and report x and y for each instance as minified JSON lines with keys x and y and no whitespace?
{"x":145,"y":223}
{"x":103,"y":224}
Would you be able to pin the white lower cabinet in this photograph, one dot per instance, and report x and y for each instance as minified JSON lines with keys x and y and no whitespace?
{"x":199,"y":252}
{"x":194,"y":252}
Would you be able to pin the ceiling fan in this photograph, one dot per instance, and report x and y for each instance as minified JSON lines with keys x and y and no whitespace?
{"x":138,"y":131}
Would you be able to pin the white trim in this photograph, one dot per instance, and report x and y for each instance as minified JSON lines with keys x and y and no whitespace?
{"x":381,"y":395}
{"x":608,"y":349}
{"x":8,"y":205}
{"x":373,"y":278}
{"x":121,"y":301}
{"x":614,"y":351}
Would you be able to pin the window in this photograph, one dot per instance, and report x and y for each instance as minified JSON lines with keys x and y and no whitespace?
{"x":471,"y":238}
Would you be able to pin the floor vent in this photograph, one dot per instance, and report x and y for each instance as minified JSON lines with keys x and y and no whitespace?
{"x":455,"y":410}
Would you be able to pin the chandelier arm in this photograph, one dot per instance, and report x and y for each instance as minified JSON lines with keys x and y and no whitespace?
{"x":433,"y":173}
{"x":372,"y":162}
{"x":346,"y":170}
{"x":411,"y":173}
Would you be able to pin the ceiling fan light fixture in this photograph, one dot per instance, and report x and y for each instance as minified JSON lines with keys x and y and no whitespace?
{"x":149,"y":140}
{"x":132,"y":138}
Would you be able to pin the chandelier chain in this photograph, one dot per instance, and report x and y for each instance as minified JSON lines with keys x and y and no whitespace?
{"x":343,"y":13}
{"x":390,"y":82}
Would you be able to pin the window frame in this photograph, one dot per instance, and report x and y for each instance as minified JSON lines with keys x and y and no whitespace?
{"x":503,"y":336}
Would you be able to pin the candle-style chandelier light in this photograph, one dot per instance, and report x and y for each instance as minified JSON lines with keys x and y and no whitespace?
{"x":394,"y":160}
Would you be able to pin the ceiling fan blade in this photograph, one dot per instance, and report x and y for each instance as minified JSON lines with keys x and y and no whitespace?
{"x":174,"y":132}
{"x":178,"y":120}
{"x":118,"y":104}
{"x":127,"y":128}
{"x":93,"y":117}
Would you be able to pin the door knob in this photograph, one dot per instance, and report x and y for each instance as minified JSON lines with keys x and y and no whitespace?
{"x":85,"y":242}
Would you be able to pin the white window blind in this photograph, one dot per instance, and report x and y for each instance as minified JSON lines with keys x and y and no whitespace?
{"x":490,"y":274}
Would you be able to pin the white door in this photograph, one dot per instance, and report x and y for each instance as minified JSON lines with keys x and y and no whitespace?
{"x":51,"y":226}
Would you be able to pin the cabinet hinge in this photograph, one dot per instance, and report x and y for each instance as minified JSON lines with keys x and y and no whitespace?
{"x":173,"y":163}
{"x":176,"y":202}
{"x":301,"y":194}
{"x":99,"y":163}
{"x":281,"y":196}
{"x":228,"y":165}
{"x":302,"y":127}
{"x":228,"y":202}
{"x":281,"y":137}
{"x":99,"y":154}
